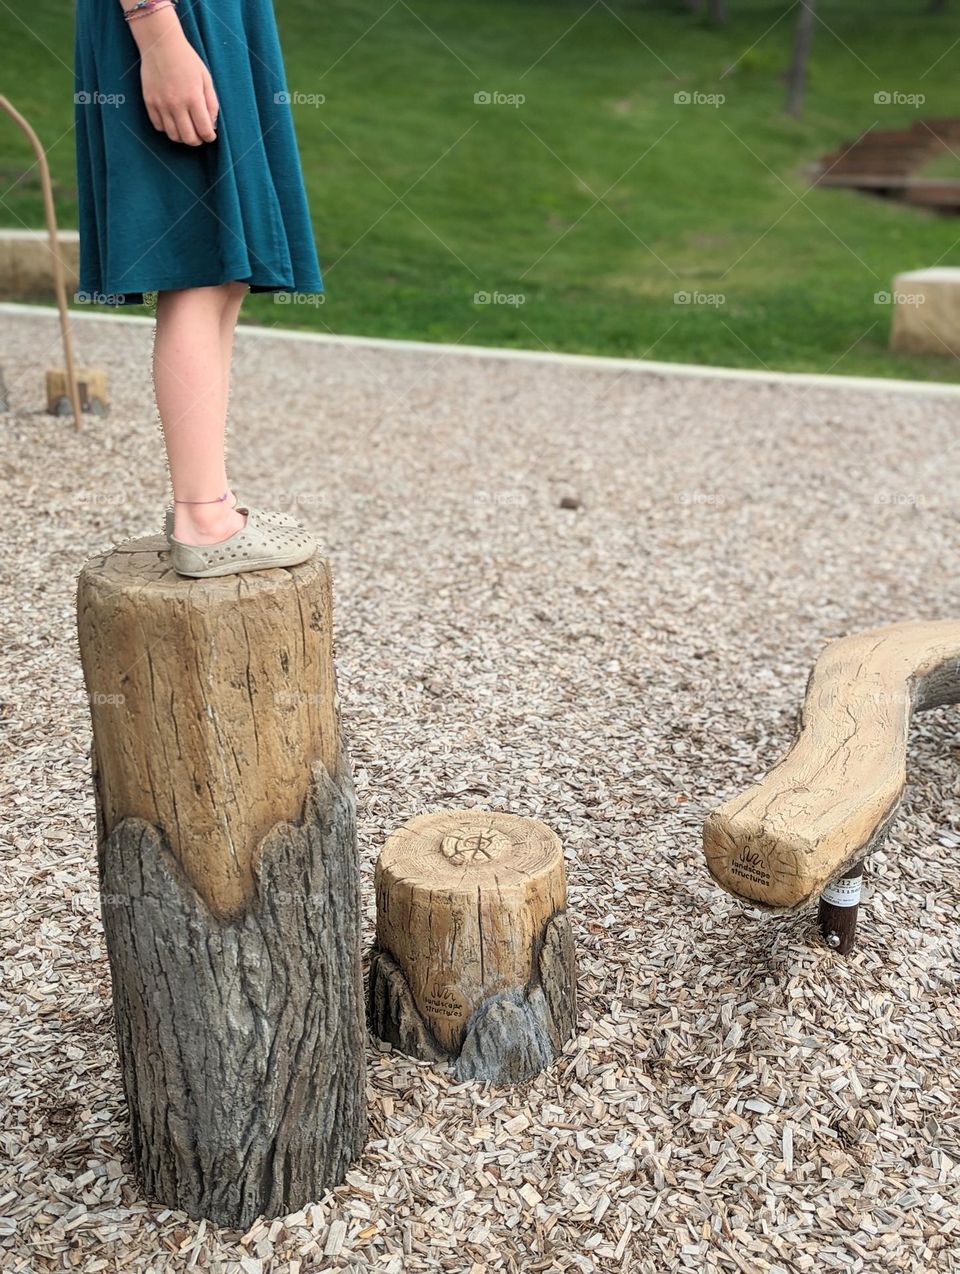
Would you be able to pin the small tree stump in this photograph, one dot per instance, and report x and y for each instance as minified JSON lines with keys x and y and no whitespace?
{"x":229,"y":879}
{"x":832,"y":798}
{"x":474,"y":959}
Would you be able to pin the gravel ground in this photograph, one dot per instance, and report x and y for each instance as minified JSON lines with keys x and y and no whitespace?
{"x":737,"y":1097}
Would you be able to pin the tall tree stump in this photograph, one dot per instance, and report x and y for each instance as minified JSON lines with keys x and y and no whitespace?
{"x":832,"y":798}
{"x":229,"y":879}
{"x":474,"y":958}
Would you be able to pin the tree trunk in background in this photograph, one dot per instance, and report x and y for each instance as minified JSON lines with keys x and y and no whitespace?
{"x":797,"y":76}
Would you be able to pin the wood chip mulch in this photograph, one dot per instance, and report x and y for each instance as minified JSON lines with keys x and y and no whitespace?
{"x":583,"y":595}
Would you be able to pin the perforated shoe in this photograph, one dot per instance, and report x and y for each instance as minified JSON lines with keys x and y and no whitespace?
{"x":260,"y":545}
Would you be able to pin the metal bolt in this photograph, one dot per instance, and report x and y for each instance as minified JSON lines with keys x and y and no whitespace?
{"x":832,"y":939}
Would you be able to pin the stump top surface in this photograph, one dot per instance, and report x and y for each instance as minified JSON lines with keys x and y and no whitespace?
{"x":143,"y":565}
{"x":469,"y":849}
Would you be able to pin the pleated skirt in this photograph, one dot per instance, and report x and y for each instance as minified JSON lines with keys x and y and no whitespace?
{"x":156,"y":214}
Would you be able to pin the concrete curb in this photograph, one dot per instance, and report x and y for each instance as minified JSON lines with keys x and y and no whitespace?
{"x":584,"y":362}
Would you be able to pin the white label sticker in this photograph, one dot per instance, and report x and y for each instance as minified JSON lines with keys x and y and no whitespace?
{"x":843,"y":893}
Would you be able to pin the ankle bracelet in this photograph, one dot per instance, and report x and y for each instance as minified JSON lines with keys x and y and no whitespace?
{"x":219,"y":500}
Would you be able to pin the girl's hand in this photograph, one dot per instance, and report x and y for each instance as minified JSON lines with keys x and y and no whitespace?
{"x":177,"y":89}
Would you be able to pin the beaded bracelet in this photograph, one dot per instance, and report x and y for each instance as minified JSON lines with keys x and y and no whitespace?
{"x":143,"y":7}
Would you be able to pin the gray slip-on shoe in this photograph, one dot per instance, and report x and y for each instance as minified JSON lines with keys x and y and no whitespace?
{"x":260,"y":545}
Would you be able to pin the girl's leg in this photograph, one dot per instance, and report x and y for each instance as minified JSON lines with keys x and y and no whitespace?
{"x":190,"y":382}
{"x":228,"y":325}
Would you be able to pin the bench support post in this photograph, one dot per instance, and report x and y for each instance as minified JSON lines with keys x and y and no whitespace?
{"x":840,"y":909}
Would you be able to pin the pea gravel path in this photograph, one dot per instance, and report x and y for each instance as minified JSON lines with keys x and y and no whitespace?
{"x":737,"y":1098}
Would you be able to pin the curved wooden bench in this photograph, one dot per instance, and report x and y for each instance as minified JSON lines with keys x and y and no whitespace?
{"x":828,"y":803}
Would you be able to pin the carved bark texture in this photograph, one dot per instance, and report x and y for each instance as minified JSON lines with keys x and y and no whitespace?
{"x":474,"y":959}
{"x":232,"y":912}
{"x":241,"y":1042}
{"x":832,"y":798}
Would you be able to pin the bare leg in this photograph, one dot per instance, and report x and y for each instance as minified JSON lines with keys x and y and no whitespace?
{"x":190,"y":380}
{"x":228,"y":325}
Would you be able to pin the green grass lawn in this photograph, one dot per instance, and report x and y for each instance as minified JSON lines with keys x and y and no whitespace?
{"x":595,"y":201}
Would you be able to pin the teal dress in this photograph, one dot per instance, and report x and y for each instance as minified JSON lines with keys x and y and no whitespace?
{"x":157,"y":214}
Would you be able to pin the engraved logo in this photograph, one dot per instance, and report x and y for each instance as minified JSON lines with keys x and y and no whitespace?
{"x":444,"y":1002}
{"x":764,"y":864}
{"x":751,"y":866}
{"x":480,"y":846}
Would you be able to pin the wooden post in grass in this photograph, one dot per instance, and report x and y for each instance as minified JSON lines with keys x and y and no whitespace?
{"x":474,"y":959}
{"x":59,"y":285}
{"x":830,"y":801}
{"x":229,"y":879}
